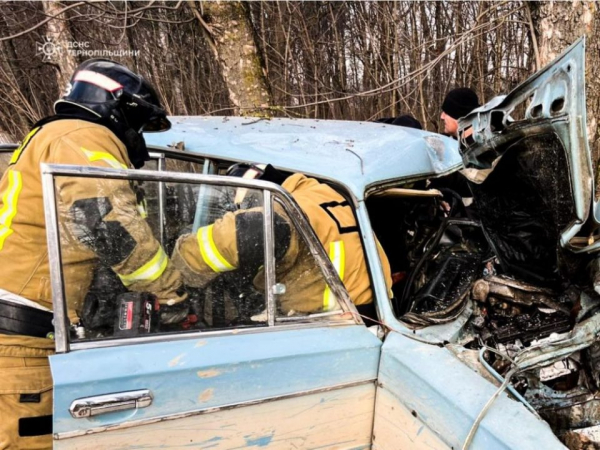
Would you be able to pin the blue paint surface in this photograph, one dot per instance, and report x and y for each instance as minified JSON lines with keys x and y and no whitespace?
{"x":356,"y":154}
{"x":448,"y":396}
{"x":262,"y":441}
{"x":205,"y":372}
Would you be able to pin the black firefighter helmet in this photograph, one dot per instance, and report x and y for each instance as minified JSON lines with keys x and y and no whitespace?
{"x":120,"y":99}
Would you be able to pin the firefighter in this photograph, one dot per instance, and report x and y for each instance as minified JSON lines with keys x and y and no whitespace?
{"x":230,"y":243}
{"x":98,"y":123}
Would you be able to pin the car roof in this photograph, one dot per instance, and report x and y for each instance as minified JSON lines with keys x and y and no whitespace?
{"x":358,"y":155}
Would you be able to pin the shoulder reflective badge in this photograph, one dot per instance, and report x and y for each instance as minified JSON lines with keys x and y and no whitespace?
{"x":104,"y":157}
{"x":327,"y":207}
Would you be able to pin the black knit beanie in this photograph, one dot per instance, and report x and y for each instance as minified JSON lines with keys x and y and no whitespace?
{"x":459,"y":102}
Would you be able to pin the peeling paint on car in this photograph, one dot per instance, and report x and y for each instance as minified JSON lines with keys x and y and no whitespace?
{"x":176,"y":361}
{"x":295,"y":423}
{"x":206,"y":395}
{"x":208,"y":373}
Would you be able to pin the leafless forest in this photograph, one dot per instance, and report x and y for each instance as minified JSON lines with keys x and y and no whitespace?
{"x":353,"y":60}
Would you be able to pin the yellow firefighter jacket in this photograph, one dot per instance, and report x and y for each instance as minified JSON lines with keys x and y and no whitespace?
{"x":99,"y":219}
{"x":214,"y":249}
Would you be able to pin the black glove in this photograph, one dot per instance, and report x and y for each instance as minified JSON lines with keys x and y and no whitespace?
{"x":100,"y":303}
{"x":174,"y":314}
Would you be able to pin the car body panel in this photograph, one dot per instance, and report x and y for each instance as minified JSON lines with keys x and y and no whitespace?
{"x":446,"y":395}
{"x":397,"y":427}
{"x":340,"y":419}
{"x":355,"y":154}
{"x":204,"y":374}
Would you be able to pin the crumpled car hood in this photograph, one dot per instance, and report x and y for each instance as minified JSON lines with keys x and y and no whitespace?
{"x":531,"y":174}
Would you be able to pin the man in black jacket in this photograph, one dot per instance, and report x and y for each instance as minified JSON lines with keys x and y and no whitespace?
{"x":458,"y":103}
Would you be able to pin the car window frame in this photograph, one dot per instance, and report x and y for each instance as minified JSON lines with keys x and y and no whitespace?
{"x":348,"y":314}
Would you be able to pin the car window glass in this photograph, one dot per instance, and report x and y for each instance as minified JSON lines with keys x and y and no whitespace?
{"x":4,"y":160}
{"x":119,"y":281}
{"x":235,"y":298}
{"x":180,"y":199}
{"x":177,"y":200}
{"x":148,"y":203}
{"x":176,"y":165}
{"x":152,"y":164}
{"x":301,"y":286}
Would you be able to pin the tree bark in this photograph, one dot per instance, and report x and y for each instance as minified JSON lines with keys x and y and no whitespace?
{"x":4,"y":138}
{"x":556,"y":26}
{"x":58,"y":33}
{"x":232,"y":41}
{"x":15,"y":104}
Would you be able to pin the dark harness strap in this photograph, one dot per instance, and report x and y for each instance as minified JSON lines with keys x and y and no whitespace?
{"x":25,"y":320}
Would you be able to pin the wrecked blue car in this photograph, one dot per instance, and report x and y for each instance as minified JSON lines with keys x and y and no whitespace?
{"x":488,"y":340}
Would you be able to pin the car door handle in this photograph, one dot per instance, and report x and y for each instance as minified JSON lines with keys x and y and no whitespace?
{"x":104,"y":404}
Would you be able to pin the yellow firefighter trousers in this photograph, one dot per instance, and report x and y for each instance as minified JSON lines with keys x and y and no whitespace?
{"x":25,"y":392}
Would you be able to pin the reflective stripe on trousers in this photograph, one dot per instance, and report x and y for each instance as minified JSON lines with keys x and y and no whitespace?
{"x":337,"y":255}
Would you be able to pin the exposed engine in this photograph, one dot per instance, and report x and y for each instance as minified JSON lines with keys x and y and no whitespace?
{"x":511,"y":317}
{"x":508,"y":312}
{"x":542,"y":336}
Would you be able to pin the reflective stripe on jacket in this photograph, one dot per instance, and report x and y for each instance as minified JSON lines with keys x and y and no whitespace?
{"x":337,"y":255}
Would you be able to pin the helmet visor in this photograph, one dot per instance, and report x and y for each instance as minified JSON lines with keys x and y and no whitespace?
{"x":83,"y":92}
{"x":157,"y":124}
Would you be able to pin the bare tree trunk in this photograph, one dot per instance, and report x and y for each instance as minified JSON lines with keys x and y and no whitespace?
{"x":233,"y":44}
{"x":557,"y":25}
{"x":4,"y":138}
{"x":57,"y":32}
{"x":15,"y":103}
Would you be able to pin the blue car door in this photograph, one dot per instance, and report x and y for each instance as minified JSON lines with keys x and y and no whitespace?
{"x":241,"y":375}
